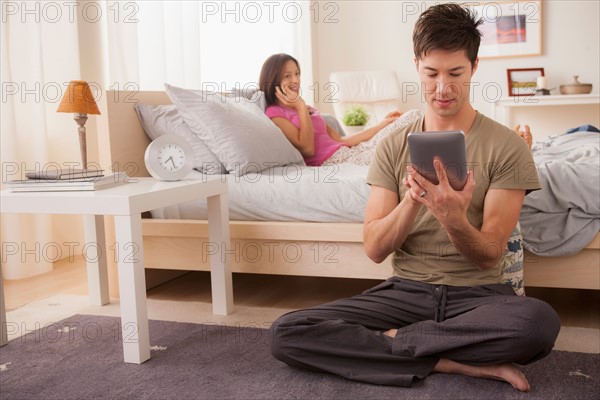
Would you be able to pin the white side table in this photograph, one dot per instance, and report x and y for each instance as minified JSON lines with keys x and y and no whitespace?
{"x":126,"y":203}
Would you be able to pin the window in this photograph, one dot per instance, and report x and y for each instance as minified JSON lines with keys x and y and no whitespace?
{"x":221,"y":44}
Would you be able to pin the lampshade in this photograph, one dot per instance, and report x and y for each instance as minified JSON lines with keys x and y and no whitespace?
{"x":78,"y":99}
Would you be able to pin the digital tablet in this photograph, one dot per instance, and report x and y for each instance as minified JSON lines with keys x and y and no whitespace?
{"x":447,"y":145}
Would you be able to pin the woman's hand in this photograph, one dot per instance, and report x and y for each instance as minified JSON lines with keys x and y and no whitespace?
{"x":525,"y":134}
{"x":290,"y":99}
{"x":386,"y":121}
{"x":394,"y":114}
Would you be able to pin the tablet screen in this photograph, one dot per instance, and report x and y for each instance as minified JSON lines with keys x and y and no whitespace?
{"x":447,"y":145}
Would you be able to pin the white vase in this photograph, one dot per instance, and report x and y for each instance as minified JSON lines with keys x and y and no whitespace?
{"x":351,"y":130}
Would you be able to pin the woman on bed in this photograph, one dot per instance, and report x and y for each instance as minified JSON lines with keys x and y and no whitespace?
{"x":305,"y":128}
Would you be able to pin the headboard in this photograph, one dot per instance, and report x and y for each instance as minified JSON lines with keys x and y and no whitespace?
{"x":121,"y":139}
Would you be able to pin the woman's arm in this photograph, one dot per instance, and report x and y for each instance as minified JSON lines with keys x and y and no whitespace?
{"x":360,"y":137}
{"x":303,"y":139}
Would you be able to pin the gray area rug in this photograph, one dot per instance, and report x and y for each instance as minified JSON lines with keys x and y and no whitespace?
{"x":81,"y":357}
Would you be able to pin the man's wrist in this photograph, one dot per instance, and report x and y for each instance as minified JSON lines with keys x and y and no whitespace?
{"x":410,"y":202}
{"x":458,"y":227}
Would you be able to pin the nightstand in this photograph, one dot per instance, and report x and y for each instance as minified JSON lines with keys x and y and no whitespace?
{"x":126,"y":203}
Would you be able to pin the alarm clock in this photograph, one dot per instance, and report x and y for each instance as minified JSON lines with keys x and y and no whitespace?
{"x":169,"y":158}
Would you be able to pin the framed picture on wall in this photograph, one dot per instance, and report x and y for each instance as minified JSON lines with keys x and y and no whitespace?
{"x":523,"y":81}
{"x":510,"y":28}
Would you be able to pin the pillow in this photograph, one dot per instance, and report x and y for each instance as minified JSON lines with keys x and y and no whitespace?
{"x":258,"y":98}
{"x":334,"y":123}
{"x":163,"y":119}
{"x":511,"y":263}
{"x":251,"y":93}
{"x":242,"y":137}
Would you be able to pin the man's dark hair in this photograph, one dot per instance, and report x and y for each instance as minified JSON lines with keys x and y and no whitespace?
{"x":450,"y":27}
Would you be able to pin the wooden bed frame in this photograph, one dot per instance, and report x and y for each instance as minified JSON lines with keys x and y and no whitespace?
{"x":280,"y":248}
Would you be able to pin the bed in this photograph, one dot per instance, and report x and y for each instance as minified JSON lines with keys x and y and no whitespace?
{"x":320,"y":249}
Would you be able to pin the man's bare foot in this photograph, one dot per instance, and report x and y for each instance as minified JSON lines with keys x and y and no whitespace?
{"x":391,"y":333}
{"x":503,"y":372}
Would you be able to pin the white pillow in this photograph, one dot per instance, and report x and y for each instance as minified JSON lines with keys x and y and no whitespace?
{"x":254,"y":95}
{"x":242,"y":137}
{"x":163,"y":119}
{"x":258,"y":98}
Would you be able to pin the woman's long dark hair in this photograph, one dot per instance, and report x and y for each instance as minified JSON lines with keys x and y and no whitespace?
{"x":270,"y":75}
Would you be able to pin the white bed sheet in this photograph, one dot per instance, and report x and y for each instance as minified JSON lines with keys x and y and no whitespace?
{"x":335,"y":193}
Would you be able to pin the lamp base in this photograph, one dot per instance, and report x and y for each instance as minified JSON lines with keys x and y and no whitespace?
{"x":81,"y":119}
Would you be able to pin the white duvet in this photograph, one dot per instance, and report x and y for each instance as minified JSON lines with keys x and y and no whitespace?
{"x":563,"y":217}
{"x":334,"y":193}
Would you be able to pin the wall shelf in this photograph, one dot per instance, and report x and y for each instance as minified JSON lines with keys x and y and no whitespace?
{"x":544,"y":116}
{"x":552,"y":100}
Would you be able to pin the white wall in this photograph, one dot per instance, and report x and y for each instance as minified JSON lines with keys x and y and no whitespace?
{"x":368,"y":35}
{"x":378,"y":35}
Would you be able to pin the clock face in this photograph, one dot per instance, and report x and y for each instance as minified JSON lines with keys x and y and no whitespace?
{"x":169,"y":158}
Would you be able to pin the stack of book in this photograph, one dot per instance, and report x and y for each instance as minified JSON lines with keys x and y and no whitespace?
{"x":57,"y":180}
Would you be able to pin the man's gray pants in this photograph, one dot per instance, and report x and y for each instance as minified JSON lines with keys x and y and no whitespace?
{"x":482,"y":325}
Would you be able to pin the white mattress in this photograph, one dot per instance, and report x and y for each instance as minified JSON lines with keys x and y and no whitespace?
{"x":335,"y":193}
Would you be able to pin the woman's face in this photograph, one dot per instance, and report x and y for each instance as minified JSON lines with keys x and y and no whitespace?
{"x":290,"y":77}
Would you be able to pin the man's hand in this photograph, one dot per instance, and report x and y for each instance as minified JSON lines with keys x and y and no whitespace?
{"x":447,"y":205}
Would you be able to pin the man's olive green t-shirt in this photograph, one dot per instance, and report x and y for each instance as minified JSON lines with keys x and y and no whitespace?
{"x":499,"y":158}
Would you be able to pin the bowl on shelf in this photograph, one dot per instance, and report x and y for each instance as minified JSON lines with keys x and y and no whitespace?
{"x":576,"y":87}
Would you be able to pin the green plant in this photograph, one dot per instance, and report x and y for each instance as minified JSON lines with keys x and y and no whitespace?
{"x":355,"y":116}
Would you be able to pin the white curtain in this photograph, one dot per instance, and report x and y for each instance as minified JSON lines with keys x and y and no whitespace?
{"x":206,"y":44}
{"x":38,"y":58}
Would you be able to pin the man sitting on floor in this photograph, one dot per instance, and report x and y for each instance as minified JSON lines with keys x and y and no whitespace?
{"x":445,"y":309}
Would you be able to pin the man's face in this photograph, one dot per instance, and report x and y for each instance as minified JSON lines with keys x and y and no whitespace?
{"x":445,"y":79}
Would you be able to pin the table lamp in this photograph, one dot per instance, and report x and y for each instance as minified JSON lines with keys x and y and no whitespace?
{"x":78,"y":99}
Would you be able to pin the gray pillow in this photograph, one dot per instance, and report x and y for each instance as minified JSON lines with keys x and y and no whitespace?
{"x":334,"y":123}
{"x":242,"y":137}
{"x":163,"y":119}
